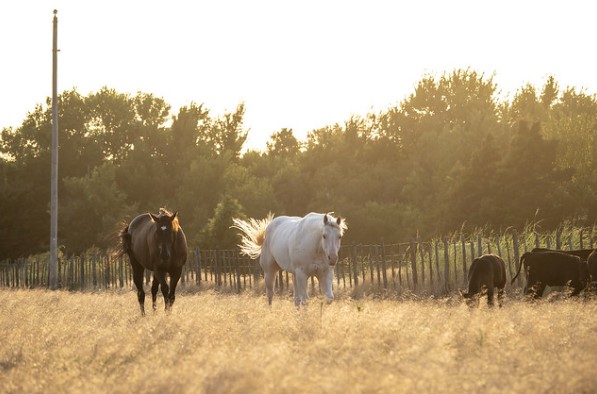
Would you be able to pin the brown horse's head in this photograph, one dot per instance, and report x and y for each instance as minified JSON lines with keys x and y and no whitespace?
{"x":166,"y":226}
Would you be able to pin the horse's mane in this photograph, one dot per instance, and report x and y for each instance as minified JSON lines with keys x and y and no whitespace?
{"x":343,"y":226}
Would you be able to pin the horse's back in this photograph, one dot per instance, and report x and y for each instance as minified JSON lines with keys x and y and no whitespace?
{"x":279,"y":236}
{"x":139,"y":224}
{"x":138,"y":231}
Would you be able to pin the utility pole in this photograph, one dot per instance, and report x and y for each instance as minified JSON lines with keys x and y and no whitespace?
{"x":53,"y":274}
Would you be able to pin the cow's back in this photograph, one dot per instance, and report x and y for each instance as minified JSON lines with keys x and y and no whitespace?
{"x":498,"y":268}
{"x":553,"y":268}
{"x":488,"y":270}
{"x":592,"y":262}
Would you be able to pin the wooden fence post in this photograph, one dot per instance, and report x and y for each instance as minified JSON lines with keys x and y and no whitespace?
{"x":120,"y":272}
{"x":446,"y":265}
{"x":422,"y":255}
{"x":498,"y":246}
{"x":362,"y":263}
{"x":509,"y":258}
{"x":516,"y":253}
{"x":238,"y":272}
{"x":399,"y":267}
{"x":455,"y":264}
{"x":198,"y":266}
{"x":371,"y":269}
{"x":82,"y":271}
{"x":94,"y":272}
{"x":383,"y":265}
{"x":464,"y":267}
{"x":580,"y":243}
{"x":439,"y":283}
{"x":413,"y":262}
{"x":430,"y":266}
{"x":465,"y":274}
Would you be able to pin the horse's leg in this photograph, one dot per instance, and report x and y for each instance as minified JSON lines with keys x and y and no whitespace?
{"x":270,"y":279}
{"x":300,"y":294}
{"x":154,"y":291}
{"x":138,"y":272}
{"x":270,"y":269}
{"x":174,"y":277}
{"x":326,"y":281}
{"x":161,"y":278}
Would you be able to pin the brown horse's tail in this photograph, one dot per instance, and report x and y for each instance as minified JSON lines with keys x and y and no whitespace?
{"x":125,"y":241}
{"x":522,"y":258}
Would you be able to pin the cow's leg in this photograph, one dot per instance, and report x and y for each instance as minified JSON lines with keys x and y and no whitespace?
{"x":174,"y":277}
{"x":539,"y":290}
{"x":500,"y":296}
{"x":576,"y":286}
{"x":138,"y":272}
{"x":490,"y":296}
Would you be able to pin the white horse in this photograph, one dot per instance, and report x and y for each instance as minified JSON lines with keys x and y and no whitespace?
{"x":305,"y":247}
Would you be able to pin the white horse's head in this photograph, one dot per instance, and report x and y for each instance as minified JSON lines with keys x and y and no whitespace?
{"x":331,"y":237}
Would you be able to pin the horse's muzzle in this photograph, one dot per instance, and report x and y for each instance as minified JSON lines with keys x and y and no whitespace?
{"x":332,"y":260}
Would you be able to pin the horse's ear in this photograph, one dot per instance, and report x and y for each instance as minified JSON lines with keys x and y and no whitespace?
{"x":173,"y":216}
{"x":325,"y":219}
{"x":339,"y":221}
{"x":153,"y":217}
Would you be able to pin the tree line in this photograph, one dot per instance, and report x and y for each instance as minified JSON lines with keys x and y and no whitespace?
{"x":452,"y":155}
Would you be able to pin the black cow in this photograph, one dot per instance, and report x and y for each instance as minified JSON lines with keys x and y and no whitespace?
{"x":582,"y":253}
{"x":552,"y":269}
{"x":592,"y":262}
{"x":486,"y":273}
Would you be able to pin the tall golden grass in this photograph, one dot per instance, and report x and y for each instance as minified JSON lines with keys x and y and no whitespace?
{"x":61,"y":342}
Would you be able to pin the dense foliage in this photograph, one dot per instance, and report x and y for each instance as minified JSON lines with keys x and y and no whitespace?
{"x":451,"y":155}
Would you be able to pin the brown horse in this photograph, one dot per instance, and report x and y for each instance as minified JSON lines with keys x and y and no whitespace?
{"x":156,"y":243}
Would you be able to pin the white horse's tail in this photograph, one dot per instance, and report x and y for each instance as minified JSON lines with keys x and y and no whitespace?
{"x":253,"y":234}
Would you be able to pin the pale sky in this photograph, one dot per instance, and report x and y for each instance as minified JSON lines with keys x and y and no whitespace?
{"x":300,"y":65}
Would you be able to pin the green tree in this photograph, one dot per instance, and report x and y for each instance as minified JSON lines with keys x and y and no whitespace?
{"x":474,"y":197}
{"x":283,"y":143}
{"x":228,"y":134}
{"x":91,"y":208}
{"x":217,"y":232}
{"x":531,"y":181}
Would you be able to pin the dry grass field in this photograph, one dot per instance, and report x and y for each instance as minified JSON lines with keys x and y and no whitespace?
{"x":61,"y":342}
